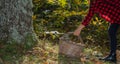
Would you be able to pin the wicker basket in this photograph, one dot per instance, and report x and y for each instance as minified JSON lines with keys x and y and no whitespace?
{"x":70,"y":48}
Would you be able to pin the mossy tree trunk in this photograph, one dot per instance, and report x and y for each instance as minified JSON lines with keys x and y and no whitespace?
{"x":16,"y":22}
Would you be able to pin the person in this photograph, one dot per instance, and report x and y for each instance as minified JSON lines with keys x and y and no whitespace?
{"x":110,"y":11}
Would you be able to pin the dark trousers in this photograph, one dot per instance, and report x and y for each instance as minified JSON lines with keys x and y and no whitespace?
{"x":113,"y":28}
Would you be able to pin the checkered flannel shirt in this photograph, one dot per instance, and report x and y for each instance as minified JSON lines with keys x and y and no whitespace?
{"x":107,"y":9}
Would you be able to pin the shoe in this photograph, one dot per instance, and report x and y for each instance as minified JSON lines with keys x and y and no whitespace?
{"x":111,"y":57}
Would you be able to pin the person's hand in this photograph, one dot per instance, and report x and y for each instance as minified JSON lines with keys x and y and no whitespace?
{"x":78,"y":30}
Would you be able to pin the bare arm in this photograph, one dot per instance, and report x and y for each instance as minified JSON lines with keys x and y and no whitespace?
{"x":85,"y":22}
{"x":78,"y":30}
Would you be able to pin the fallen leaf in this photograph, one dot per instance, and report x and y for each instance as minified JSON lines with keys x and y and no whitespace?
{"x":45,"y":63}
{"x":83,"y":59}
{"x":99,"y":62}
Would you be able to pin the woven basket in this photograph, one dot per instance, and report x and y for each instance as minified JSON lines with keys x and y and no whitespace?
{"x":70,"y":48}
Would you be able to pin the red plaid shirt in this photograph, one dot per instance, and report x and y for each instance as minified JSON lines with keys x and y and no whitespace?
{"x":107,"y":9}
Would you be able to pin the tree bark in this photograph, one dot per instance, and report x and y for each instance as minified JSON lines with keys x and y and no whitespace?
{"x":16,"y":24}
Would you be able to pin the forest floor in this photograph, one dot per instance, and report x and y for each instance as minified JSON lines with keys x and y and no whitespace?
{"x":46,"y":52}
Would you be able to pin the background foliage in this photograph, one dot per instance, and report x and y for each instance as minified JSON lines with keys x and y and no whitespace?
{"x":65,"y":15}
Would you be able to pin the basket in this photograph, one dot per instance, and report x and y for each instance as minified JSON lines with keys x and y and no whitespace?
{"x":70,"y":48}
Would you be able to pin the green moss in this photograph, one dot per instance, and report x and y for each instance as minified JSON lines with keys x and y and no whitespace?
{"x":30,"y":40}
{"x":12,"y":50}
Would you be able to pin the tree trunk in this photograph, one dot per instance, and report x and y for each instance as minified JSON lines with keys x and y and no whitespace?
{"x":16,"y":22}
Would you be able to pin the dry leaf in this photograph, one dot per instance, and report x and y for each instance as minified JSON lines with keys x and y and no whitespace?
{"x":83,"y":59}
{"x":99,"y":62}
{"x":118,"y":55}
{"x":96,"y":61}
{"x":45,"y":63}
